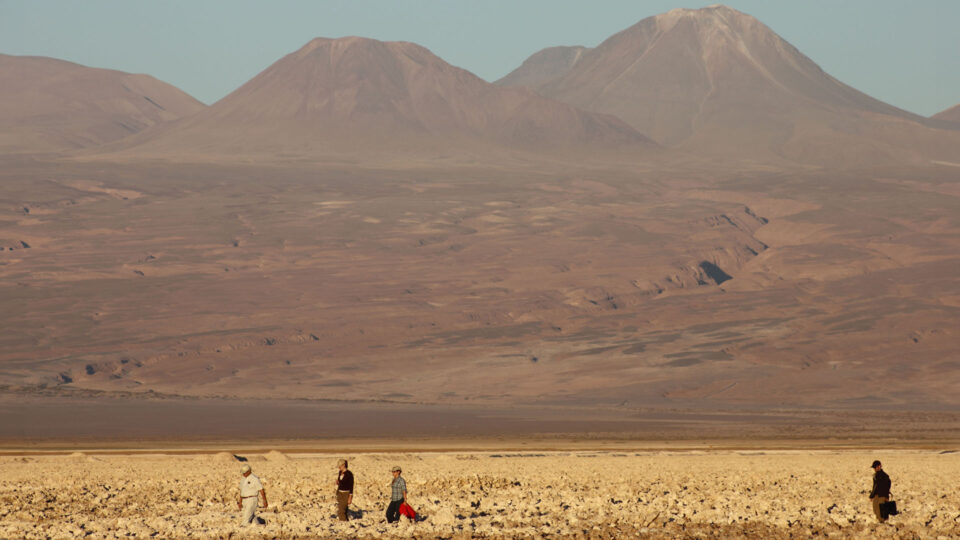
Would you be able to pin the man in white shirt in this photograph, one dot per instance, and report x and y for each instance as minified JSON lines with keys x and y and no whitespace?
{"x":250,"y":492}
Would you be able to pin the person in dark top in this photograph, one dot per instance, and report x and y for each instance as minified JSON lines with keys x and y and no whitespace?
{"x":344,"y":485}
{"x":881,"y":490}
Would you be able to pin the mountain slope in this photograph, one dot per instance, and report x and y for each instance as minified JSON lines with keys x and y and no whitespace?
{"x":50,"y":105}
{"x":544,"y":66}
{"x":950,"y":115}
{"x":358,"y":95}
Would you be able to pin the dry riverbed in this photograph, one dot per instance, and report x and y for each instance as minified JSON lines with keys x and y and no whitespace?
{"x":614,"y":494}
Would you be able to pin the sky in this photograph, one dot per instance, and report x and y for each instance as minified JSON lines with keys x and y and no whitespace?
{"x":904,"y":53}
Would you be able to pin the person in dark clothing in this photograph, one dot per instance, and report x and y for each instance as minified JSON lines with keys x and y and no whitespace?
{"x":881,"y":490}
{"x":344,"y":485}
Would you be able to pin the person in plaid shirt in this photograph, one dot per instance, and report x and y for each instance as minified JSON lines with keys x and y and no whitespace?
{"x":398,"y":494}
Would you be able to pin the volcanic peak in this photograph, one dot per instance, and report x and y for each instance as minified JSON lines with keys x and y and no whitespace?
{"x":337,"y":48}
{"x":714,"y":28}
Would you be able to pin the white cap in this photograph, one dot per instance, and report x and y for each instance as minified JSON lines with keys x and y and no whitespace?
{"x":245,"y":469}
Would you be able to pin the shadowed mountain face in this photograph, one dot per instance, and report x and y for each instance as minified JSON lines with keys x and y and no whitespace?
{"x":718,"y":81}
{"x":950,"y":115}
{"x":353,"y":93}
{"x":49,"y":105}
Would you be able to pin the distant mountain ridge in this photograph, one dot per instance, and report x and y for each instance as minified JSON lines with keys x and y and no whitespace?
{"x":50,"y":105}
{"x":710,"y":83}
{"x":335,"y":95}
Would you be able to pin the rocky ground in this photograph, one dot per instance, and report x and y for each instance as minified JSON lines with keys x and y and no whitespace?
{"x":648,"y":494}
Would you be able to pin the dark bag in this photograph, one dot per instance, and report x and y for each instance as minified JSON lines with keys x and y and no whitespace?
{"x":888,"y":508}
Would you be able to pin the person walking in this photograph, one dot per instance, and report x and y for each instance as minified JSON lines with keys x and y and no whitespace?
{"x":881,"y":490}
{"x":398,"y":495}
{"x":344,"y":485}
{"x":251,"y":489}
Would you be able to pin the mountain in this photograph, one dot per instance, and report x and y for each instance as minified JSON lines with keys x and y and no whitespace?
{"x":358,"y":95}
{"x":950,"y":115}
{"x":50,"y":105}
{"x":718,"y":81}
{"x":544,"y":66}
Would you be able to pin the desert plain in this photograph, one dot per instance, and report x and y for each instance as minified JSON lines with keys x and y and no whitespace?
{"x":472,"y":284}
{"x":626,"y":491}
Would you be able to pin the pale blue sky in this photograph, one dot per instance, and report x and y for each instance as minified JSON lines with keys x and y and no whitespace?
{"x":904,"y":53}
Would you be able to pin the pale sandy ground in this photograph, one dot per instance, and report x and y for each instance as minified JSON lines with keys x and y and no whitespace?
{"x":647,"y":494}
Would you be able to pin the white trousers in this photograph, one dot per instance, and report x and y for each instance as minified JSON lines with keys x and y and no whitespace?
{"x":249,"y":510}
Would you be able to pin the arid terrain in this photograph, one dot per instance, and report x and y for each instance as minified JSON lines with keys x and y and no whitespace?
{"x":611,"y":494}
{"x":683,"y":284}
{"x":474,"y":285}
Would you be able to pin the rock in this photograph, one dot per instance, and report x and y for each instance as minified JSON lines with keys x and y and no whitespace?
{"x":277,"y":457}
